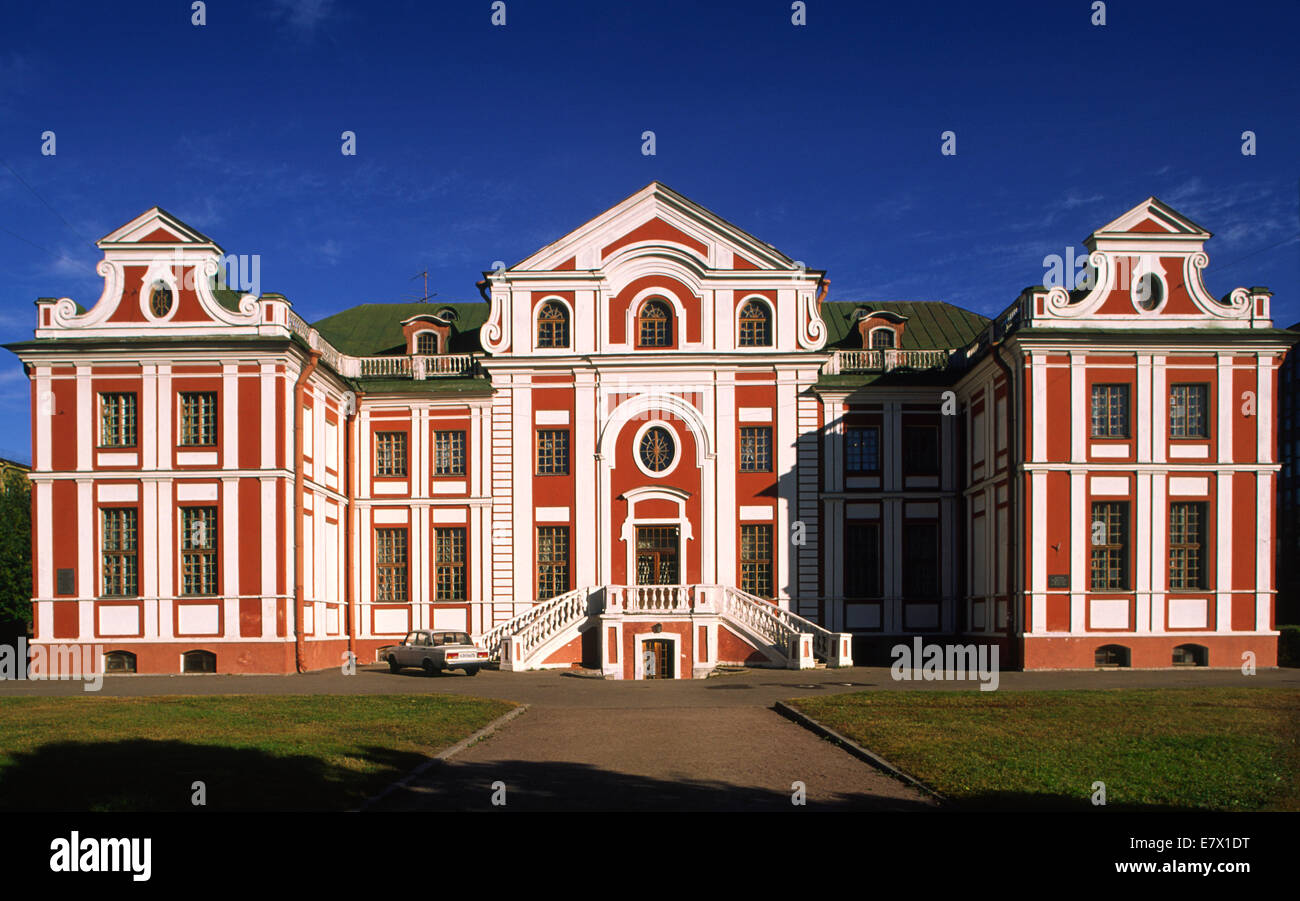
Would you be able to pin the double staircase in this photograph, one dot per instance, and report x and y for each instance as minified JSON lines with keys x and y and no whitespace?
{"x":784,"y":639}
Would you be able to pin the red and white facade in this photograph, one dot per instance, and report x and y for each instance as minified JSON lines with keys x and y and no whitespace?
{"x":703,"y":502}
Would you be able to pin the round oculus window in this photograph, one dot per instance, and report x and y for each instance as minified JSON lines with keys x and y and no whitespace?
{"x":1149,"y":291}
{"x":160,"y":300}
{"x":657,"y":449}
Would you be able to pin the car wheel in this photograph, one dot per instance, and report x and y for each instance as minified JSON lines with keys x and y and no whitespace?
{"x":393,"y":665}
{"x":429,"y":668}
{"x":471,"y":670}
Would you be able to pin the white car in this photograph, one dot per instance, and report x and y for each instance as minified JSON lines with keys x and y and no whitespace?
{"x":434,"y":651}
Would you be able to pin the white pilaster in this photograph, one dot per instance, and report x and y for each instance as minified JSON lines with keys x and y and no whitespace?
{"x":1223,"y":541}
{"x":1080,"y":545}
{"x":522,"y":459}
{"x":784,"y":429}
{"x":582,"y":550}
{"x":230,"y":422}
{"x":1159,"y":410}
{"x":87,"y":417}
{"x":1144,"y":418}
{"x":1159,"y":548}
{"x":1080,"y":412}
{"x":1263,"y":409}
{"x":267,"y":384}
{"x":1144,"y":561}
{"x":1038,"y":448}
{"x":726,"y":462}
{"x":1225,"y":404}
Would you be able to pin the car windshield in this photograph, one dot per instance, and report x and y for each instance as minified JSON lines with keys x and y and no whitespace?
{"x":442,"y":638}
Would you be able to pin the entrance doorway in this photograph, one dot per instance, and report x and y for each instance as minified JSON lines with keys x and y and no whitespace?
{"x":658,"y":658}
{"x":656,"y":555}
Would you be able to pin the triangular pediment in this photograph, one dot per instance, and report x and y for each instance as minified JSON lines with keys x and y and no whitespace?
{"x":1152,"y":217}
{"x":658,"y":214}
{"x":156,"y":226}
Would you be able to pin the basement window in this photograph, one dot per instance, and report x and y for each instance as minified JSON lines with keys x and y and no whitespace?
{"x":1112,"y":656}
{"x":119,"y":662}
{"x":198,"y":662}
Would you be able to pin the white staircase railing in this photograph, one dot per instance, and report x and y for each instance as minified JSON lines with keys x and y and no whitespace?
{"x":518,"y":641}
{"x":827,"y":645}
{"x":539,"y":622}
{"x":647,"y":599}
{"x":760,"y":618}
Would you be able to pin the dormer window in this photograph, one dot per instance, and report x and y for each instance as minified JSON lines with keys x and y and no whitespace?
{"x":426,"y":344}
{"x":654,"y":325}
{"x":553,"y":325}
{"x":160,"y":300}
{"x":755,"y":325}
{"x":879,"y":329}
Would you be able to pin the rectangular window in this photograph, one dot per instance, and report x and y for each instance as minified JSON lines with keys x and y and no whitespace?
{"x":448,"y":453}
{"x":552,"y":452}
{"x":390,"y":454}
{"x":921,"y":560}
{"x":552,"y":561}
{"x":117,"y":420}
{"x":1187,"y":408}
{"x":198,"y":418}
{"x":390,"y":566}
{"x":118,"y":541}
{"x":862,"y":450}
{"x":1187,"y":546}
{"x":1110,"y":411}
{"x":756,"y":449}
{"x":449,"y":564}
{"x":198,"y":550}
{"x":861,"y":560}
{"x":756,"y":560}
{"x":1108,"y":535}
{"x":920,"y":450}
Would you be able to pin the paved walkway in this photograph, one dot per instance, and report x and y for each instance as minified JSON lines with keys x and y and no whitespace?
{"x":634,"y":758}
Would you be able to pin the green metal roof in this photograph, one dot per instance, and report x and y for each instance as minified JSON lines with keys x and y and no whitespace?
{"x":228,"y":298}
{"x":931,"y":324}
{"x":373,"y":329}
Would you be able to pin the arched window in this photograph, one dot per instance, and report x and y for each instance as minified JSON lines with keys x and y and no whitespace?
{"x":654,"y":325}
{"x":426,"y":343}
{"x":1191,"y":655}
{"x":553,"y":325}
{"x":119,"y":662}
{"x":755,"y":325}
{"x":198,"y":662}
{"x":882,"y":339}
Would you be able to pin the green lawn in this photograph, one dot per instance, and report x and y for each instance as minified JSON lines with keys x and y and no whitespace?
{"x":318,"y":752}
{"x":1202,"y":748}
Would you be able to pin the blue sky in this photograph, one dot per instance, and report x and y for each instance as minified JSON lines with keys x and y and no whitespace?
{"x":478,"y":143}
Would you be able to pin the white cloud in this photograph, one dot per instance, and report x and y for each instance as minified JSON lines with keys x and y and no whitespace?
{"x":303,"y":15}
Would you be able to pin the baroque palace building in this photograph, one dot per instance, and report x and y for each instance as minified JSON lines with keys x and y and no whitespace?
{"x":655,"y":447}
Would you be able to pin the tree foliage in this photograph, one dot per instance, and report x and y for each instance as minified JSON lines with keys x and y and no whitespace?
{"x":16,"y":549}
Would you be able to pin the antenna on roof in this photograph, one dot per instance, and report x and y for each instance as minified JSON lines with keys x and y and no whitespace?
{"x":427,"y":295}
